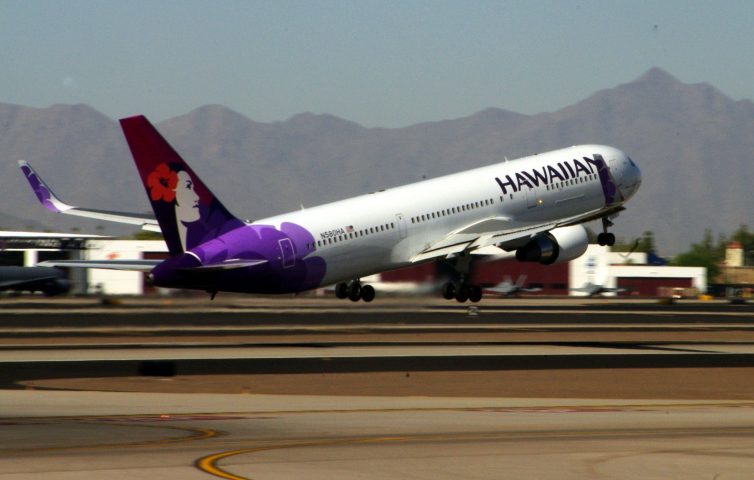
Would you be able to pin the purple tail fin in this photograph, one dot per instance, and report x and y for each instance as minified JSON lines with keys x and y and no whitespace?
{"x":188,"y":213}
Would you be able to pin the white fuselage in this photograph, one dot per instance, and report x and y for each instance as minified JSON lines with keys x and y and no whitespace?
{"x":384,"y":230}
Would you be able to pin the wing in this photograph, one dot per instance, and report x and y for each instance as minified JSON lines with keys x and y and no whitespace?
{"x":51,"y":202}
{"x":499,"y":235}
{"x":148,"y":265}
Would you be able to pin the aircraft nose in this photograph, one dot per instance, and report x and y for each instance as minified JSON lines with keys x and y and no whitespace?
{"x":633,"y":180}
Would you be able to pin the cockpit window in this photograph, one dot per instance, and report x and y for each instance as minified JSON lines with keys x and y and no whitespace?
{"x":631,"y":162}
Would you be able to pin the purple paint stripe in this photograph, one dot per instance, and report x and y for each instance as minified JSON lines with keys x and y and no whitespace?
{"x":609,"y":188}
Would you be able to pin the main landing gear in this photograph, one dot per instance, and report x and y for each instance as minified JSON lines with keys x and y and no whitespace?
{"x":354,"y":291}
{"x":606,"y":238}
{"x":460,"y":288}
{"x":461,"y":292}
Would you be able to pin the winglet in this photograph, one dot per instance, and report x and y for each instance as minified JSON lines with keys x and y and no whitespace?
{"x":54,"y":204}
{"x":48,"y":199}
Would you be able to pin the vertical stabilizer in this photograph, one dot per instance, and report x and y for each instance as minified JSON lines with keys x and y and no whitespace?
{"x":188,"y":213}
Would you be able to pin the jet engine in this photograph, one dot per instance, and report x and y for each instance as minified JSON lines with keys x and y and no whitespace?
{"x":57,"y":286}
{"x":556,"y":246}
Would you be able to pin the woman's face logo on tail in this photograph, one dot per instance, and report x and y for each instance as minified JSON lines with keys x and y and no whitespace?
{"x":186,"y":199}
{"x":177,"y":187}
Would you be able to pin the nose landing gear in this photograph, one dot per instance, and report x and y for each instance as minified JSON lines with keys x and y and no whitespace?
{"x":606,"y":238}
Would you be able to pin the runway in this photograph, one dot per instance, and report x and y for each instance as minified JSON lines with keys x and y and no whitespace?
{"x":272,"y":437}
{"x":319,"y":390}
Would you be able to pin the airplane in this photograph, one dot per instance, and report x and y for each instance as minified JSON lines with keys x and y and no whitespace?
{"x":594,"y":290}
{"x":533,"y":208}
{"x":507,"y":288}
{"x":48,"y":280}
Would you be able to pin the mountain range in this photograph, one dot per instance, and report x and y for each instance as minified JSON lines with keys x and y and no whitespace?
{"x":695,"y":147}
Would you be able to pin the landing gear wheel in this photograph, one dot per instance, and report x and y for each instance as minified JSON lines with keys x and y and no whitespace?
{"x":341,"y":290}
{"x":448,"y":291}
{"x":367,"y":293}
{"x":354,"y":292}
{"x":606,"y":239}
{"x":463,"y":294}
{"x":475,"y":293}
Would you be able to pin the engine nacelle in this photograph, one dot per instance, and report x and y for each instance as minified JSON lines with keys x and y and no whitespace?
{"x":556,"y":246}
{"x":57,"y":286}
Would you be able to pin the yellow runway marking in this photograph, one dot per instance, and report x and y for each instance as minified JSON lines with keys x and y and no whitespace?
{"x":209,"y":463}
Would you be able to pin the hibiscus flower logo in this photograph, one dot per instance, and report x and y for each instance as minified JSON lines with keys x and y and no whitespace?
{"x":162,"y":182}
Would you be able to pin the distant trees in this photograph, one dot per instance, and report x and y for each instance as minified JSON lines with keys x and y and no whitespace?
{"x":645,"y":244}
{"x":146,"y":235}
{"x":711,"y":254}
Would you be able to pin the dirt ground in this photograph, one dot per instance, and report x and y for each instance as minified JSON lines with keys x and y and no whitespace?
{"x":667,"y":383}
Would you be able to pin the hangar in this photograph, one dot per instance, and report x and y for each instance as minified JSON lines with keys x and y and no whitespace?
{"x":598,"y":266}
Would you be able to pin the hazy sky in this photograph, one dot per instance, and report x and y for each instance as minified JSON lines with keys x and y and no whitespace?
{"x":379,"y":63}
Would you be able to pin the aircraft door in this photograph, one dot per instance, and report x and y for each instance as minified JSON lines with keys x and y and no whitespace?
{"x":533,"y":197}
{"x":287,"y":253}
{"x":401,"y":220}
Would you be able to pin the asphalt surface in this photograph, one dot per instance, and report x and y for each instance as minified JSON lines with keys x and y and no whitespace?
{"x":244,"y":389}
{"x":64,"y":435}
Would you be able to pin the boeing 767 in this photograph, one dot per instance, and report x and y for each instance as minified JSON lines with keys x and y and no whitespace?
{"x":533,"y":208}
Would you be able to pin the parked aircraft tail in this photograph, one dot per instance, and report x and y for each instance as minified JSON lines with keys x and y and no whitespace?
{"x":187,"y":212}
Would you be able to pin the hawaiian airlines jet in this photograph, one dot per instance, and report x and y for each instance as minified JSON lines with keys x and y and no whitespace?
{"x":532,"y":207}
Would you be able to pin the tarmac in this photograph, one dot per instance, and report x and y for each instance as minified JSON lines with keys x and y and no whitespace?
{"x":245,"y":388}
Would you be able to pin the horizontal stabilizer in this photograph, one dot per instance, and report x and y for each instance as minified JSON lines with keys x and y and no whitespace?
{"x":46,"y":235}
{"x":137,"y":265}
{"x":227,"y":265}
